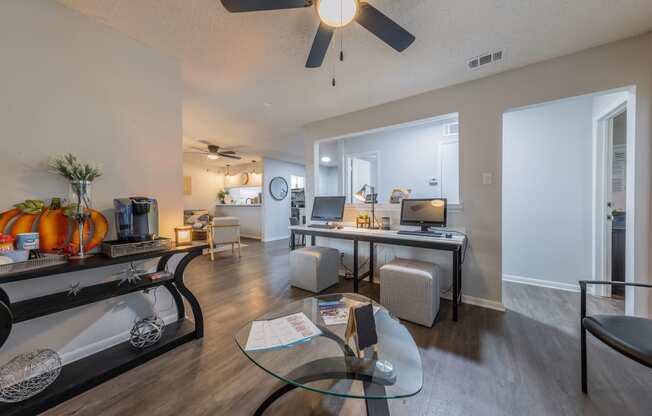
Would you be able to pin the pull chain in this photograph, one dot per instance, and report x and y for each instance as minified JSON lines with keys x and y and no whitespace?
{"x":334,"y":81}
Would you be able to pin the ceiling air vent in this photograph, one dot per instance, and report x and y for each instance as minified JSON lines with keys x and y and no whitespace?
{"x":484,"y":59}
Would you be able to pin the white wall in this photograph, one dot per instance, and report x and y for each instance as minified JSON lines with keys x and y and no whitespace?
{"x":481,"y":105}
{"x":547,"y":193}
{"x":408,"y":158}
{"x":70,"y":84}
{"x":276,"y":214}
{"x":329,"y":181}
{"x":206,"y":182}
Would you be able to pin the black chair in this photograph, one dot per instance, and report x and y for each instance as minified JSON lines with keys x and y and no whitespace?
{"x":629,"y":335}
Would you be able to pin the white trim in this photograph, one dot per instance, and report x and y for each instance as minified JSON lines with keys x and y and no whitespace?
{"x":103,"y":344}
{"x":541,"y":283}
{"x":481,"y":302}
{"x":269,"y":240}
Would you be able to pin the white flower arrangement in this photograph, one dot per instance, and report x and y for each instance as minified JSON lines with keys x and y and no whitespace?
{"x":71,"y":168}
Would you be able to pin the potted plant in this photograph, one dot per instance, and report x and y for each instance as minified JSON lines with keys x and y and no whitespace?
{"x":80,"y":176}
{"x":221,"y":195}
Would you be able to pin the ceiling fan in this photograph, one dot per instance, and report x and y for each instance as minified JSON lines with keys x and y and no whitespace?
{"x":333,"y":14}
{"x":213,"y":151}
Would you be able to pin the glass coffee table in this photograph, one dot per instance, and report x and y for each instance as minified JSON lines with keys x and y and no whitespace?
{"x":326,"y":364}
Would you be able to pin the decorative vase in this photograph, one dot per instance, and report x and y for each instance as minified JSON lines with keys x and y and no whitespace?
{"x":80,"y":193}
{"x":80,"y":197}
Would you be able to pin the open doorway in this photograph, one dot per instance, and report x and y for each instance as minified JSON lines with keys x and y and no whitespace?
{"x":567,"y":192}
{"x":616,"y":190}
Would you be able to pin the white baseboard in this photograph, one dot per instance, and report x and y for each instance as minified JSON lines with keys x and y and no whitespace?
{"x":541,"y":283}
{"x":481,"y":302}
{"x":103,"y":344}
{"x":282,"y":237}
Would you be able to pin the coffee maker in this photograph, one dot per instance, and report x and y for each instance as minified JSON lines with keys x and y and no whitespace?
{"x":136,"y":219}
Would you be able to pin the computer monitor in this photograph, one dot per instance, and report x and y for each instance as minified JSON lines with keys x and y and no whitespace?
{"x":328,"y":208}
{"x":427,"y":212}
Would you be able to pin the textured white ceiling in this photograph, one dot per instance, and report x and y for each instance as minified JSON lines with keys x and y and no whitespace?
{"x":235,"y":63}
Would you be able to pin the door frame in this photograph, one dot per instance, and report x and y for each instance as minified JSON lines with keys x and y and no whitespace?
{"x":453,"y":139}
{"x":602,"y":174}
{"x":604,"y":159}
{"x":346,"y":180}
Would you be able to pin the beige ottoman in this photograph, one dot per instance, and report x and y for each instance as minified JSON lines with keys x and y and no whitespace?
{"x":410,"y":290}
{"x":314,"y":268}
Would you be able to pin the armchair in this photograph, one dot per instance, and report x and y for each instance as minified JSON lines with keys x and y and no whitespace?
{"x":224,"y":230}
{"x":629,"y":335}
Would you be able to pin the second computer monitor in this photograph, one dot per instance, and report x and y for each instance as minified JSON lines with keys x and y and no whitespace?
{"x":328,"y":208}
{"x":424,"y":213}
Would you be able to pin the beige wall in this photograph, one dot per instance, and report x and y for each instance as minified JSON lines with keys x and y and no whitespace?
{"x":206,"y":182}
{"x":480,"y":105}
{"x":70,"y":84}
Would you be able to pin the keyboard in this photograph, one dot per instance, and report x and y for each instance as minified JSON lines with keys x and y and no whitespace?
{"x":322,"y":226}
{"x":423,"y":233}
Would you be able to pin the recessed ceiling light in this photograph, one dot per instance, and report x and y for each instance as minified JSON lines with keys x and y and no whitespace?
{"x":326,"y":159}
{"x":267,"y":104}
{"x":213,"y":157}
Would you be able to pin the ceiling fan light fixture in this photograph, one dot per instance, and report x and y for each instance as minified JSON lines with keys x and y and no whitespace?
{"x":337,"y":13}
{"x":212,"y":156}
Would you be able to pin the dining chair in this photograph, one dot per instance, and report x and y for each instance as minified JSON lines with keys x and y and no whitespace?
{"x":629,"y":335}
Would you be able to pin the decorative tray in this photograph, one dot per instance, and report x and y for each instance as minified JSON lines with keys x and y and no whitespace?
{"x":47,"y":260}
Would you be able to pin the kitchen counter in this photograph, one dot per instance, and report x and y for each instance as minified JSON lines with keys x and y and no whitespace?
{"x":251,"y":218}
{"x":239,"y":205}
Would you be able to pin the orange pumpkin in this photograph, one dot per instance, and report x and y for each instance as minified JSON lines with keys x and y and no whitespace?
{"x":100,"y":228}
{"x":53,"y":230}
{"x":54,"y":227}
{"x":23,"y":224}
{"x":7,"y":216}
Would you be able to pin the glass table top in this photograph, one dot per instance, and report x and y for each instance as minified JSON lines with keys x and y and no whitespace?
{"x":326,"y":364}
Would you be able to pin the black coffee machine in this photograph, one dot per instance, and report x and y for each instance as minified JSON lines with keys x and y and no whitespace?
{"x":136,"y":218}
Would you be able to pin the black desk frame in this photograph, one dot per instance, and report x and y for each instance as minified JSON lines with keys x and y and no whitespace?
{"x":356,"y":238}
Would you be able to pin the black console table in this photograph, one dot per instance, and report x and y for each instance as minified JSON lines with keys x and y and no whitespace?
{"x":84,"y":374}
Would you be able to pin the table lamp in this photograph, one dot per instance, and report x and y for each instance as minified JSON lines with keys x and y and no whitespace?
{"x":183,"y":235}
{"x":363,"y":196}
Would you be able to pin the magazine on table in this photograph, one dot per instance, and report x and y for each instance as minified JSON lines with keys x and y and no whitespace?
{"x":336,"y":312}
{"x":280,"y":332}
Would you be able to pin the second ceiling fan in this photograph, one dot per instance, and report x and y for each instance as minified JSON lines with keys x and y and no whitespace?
{"x":333,"y":14}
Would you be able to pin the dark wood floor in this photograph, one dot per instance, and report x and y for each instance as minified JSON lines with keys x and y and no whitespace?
{"x":521,"y":362}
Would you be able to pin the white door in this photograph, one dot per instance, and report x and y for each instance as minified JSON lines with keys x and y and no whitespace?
{"x":449,"y":163}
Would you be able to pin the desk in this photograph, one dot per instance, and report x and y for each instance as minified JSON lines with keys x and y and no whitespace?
{"x":455,"y":245}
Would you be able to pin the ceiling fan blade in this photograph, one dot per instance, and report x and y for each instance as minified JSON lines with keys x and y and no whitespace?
{"x":385,"y":28}
{"x":238,"y":6}
{"x":320,"y":46}
{"x":229,"y":156}
{"x":228,"y":152}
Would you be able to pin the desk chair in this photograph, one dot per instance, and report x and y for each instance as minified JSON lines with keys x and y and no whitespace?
{"x":629,"y":335}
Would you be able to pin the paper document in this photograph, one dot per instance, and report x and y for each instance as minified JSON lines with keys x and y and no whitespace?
{"x":337,"y":312}
{"x":280,"y":332}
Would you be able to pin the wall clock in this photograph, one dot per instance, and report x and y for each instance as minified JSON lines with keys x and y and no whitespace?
{"x":244,"y":178}
{"x":278,"y":188}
